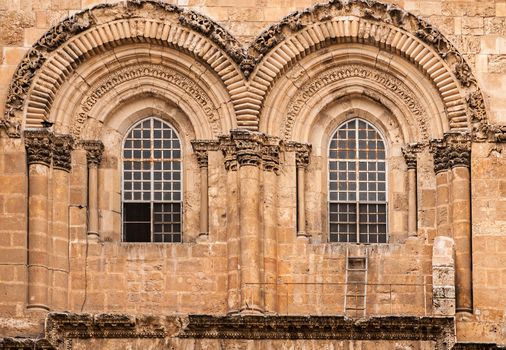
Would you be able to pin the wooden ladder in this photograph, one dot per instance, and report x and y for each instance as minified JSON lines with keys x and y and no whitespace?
{"x":355,"y":298}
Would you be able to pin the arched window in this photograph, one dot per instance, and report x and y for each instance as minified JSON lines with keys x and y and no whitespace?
{"x":152,"y":183}
{"x":357,"y":184}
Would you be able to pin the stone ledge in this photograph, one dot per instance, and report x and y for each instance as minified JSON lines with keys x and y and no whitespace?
{"x":318,"y":327}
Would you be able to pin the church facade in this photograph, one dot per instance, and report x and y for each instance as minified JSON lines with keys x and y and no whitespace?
{"x":244,"y":175}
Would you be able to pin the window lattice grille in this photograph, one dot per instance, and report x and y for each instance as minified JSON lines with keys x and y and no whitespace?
{"x":152,"y":183}
{"x":357,"y":184}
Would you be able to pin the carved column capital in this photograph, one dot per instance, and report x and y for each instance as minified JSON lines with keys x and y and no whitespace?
{"x":270,"y":154}
{"x":409,"y":152}
{"x":201,"y":149}
{"x":62,"y":151}
{"x":227,"y":146}
{"x":459,"y":148}
{"x":440,"y":154}
{"x":39,"y":146}
{"x":453,"y":150}
{"x":249,"y":146}
{"x":302,"y":153}
{"x":94,"y":150}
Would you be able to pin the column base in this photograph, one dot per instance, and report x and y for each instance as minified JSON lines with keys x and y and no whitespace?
{"x":302,"y":234}
{"x":37,"y":307}
{"x":251,"y":310}
{"x":464,"y":314}
{"x":93,"y":236}
{"x":203,"y":237}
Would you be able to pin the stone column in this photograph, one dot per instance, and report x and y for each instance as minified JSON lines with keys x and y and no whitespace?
{"x":38,"y":145}
{"x":440,"y":155}
{"x":94,"y":151}
{"x":302,"y":152}
{"x":270,"y":167}
{"x":62,"y":149}
{"x":233,"y":246}
{"x":409,"y":153}
{"x":249,"y":158}
{"x":459,"y":154}
{"x":201,"y":148}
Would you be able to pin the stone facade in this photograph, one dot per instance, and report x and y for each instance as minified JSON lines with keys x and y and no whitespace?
{"x":255,"y":93}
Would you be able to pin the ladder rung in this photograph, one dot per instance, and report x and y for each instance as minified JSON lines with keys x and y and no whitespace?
{"x":355,"y":308}
{"x":357,"y":269}
{"x":355,"y":295}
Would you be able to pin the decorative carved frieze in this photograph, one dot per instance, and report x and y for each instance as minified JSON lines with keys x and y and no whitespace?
{"x":39,"y":146}
{"x":453,"y":150}
{"x":410,"y":152}
{"x":94,"y":151}
{"x":201,"y":149}
{"x":62,"y":326}
{"x":311,"y":87}
{"x":319,"y":327}
{"x":302,"y":153}
{"x":25,"y":344}
{"x":62,"y":152}
{"x":126,"y":74}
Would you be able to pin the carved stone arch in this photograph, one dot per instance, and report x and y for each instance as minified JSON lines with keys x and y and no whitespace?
{"x":370,"y":23}
{"x":55,"y":56}
{"x":305,"y":90}
{"x":111,"y":79}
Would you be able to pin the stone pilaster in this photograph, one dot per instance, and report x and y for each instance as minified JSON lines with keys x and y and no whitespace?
{"x":452,"y":156}
{"x":94,"y":151}
{"x":459,"y":154}
{"x":410,"y":155}
{"x":39,"y":152}
{"x":59,"y":238}
{"x":201,"y":149}
{"x":302,"y":153}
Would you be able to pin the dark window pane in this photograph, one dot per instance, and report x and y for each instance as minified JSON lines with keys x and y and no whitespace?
{"x":136,"y":212}
{"x":137,"y":232}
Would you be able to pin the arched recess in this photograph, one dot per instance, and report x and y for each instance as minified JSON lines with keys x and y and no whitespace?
{"x":393,"y":31}
{"x":107,"y":81}
{"x":206,"y":49}
{"x":298,"y":99}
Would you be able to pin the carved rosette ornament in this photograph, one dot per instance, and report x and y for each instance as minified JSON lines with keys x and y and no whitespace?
{"x":39,"y":146}
{"x":201,"y":149}
{"x":62,"y":151}
{"x":94,"y":151}
{"x":409,"y":152}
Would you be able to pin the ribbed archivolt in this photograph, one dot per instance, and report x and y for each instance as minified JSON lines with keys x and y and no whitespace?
{"x":103,"y":37}
{"x":354,"y":29}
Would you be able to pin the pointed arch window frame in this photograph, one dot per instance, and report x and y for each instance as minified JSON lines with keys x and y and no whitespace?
{"x":365,"y":218}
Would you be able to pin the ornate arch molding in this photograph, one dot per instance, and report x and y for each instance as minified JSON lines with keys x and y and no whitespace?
{"x":384,"y":26}
{"x":56,"y":55}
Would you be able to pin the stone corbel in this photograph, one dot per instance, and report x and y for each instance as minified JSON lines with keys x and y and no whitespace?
{"x":94,"y":150}
{"x":302,"y":159}
{"x":201,"y":149}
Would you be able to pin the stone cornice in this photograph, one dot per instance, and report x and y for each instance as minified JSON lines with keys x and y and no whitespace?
{"x":319,"y":327}
{"x":94,"y":151}
{"x":62,"y":152}
{"x":201,"y":149}
{"x":39,"y":146}
{"x":302,"y":153}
